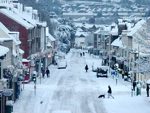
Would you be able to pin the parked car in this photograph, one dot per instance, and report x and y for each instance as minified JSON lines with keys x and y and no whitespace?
{"x":62,"y":64}
{"x":102,"y":71}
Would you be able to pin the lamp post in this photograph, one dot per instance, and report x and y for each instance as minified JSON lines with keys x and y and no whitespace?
{"x":39,"y":69}
{"x":109,"y":51}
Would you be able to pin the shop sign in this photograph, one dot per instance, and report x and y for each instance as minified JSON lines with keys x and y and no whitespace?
{"x":7,"y":92}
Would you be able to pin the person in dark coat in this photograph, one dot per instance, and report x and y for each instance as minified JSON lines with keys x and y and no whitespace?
{"x":147,"y":90}
{"x":47,"y":72}
{"x":83,"y":53}
{"x":109,"y":92}
{"x":80,"y":54}
{"x":86,"y":68}
{"x":134,"y":85}
{"x":43,"y":72}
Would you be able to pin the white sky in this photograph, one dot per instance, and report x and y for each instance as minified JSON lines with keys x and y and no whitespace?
{"x":75,"y":91}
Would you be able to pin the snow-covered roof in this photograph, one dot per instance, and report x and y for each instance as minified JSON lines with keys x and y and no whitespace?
{"x":5,"y":39}
{"x":3,"y":50}
{"x":26,"y":15}
{"x":16,"y":18}
{"x":118,"y":43}
{"x":4,"y":28}
{"x":136,"y":27}
{"x":114,"y":31}
{"x":79,"y":19}
{"x":5,"y":34}
{"x":15,"y":37}
{"x":82,"y":14}
{"x":103,"y":30}
{"x":78,"y":33}
{"x":3,"y":31}
{"x":140,"y":34}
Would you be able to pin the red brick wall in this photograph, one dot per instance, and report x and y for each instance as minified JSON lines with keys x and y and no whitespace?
{"x":23,"y":32}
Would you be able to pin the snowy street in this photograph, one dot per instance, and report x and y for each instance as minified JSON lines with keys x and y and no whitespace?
{"x":72,"y":90}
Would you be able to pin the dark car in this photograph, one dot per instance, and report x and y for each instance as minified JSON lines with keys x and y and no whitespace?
{"x":102,"y":72}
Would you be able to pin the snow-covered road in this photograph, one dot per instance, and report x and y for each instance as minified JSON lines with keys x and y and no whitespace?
{"x":70,"y":89}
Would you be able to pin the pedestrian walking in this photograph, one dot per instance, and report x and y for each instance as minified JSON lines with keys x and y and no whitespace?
{"x":109,"y":92}
{"x":86,"y":68}
{"x":147,"y":90}
{"x":80,"y":54}
{"x":83,"y":53}
{"x":47,"y":72}
{"x":134,"y":85}
{"x":43,"y":72}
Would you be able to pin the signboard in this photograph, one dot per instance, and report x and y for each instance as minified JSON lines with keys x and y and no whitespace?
{"x":7,"y":92}
{"x":113,"y":73}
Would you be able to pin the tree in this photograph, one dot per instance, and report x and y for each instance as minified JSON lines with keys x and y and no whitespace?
{"x":92,"y":20}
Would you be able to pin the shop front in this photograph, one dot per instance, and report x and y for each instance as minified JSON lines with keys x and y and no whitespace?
{"x":6,"y":103}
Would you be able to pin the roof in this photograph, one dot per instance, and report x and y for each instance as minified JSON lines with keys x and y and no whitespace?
{"x":118,"y":43}
{"x":3,"y":50}
{"x":103,"y":30}
{"x":114,"y":31}
{"x":82,"y":14}
{"x":5,"y":39}
{"x":141,"y":40}
{"x":16,"y":18}
{"x":5,"y":35}
{"x":3,"y":27}
{"x":136,"y":27}
{"x":78,"y":34}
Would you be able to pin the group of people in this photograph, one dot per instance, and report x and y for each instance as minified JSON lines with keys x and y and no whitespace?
{"x":47,"y":72}
{"x":82,"y":54}
{"x":43,"y":72}
{"x":109,"y":88}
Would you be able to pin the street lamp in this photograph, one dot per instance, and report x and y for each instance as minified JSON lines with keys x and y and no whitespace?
{"x":109,"y":51}
{"x":34,"y":80}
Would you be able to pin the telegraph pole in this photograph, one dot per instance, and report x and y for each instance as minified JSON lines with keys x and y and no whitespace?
{"x":109,"y":51}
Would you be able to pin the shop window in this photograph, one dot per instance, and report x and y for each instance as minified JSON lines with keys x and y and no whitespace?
{"x":7,"y":74}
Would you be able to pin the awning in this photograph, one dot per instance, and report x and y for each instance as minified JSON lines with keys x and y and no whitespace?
{"x":25,"y":60}
{"x":49,"y":44}
{"x":3,"y":50}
